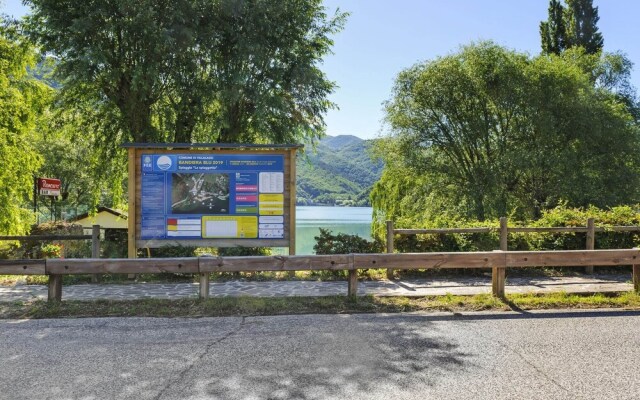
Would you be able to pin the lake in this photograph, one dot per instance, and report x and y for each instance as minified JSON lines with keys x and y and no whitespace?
{"x":349,"y":220}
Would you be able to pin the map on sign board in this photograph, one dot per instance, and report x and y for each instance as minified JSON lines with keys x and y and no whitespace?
{"x":212,"y":196}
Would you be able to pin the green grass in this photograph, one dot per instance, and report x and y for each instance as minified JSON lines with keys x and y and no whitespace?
{"x":252,"y":306}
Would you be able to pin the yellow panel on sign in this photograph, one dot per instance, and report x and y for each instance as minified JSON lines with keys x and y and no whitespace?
{"x":229,"y":227}
{"x":279,"y":198}
{"x":271,"y":204}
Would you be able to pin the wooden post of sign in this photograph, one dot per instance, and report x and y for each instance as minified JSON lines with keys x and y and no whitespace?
{"x":591,"y":241}
{"x":498,"y":274}
{"x":95,"y":249}
{"x":389,"y":246}
{"x":131,"y":218}
{"x":292,"y":206}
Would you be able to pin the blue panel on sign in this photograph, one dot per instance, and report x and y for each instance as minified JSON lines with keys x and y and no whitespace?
{"x":177,"y":190}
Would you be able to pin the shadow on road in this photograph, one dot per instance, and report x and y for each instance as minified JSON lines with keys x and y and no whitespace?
{"x":355,"y":356}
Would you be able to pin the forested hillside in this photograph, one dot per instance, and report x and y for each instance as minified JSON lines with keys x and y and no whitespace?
{"x":339,"y":171}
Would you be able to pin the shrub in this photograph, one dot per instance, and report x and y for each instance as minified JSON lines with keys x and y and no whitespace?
{"x":243,"y":251}
{"x":560,"y":216}
{"x":342,"y":243}
{"x":67,"y":248}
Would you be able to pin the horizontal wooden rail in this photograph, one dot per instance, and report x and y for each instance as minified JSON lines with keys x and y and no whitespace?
{"x":441,"y":260}
{"x":429,"y":260}
{"x":496,"y":260}
{"x":275,"y":263}
{"x":36,"y":238}
{"x":22,"y":267}
{"x":516,"y":229}
{"x":442,"y":230}
{"x":77,"y":266}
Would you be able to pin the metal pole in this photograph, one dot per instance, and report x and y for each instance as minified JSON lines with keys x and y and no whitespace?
{"x":95,"y":249}
{"x":35,"y":198}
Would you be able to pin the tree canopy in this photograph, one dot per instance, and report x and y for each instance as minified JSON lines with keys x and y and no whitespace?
{"x":573,"y":26}
{"x":488,"y":132}
{"x":22,"y":99}
{"x":194,"y":70}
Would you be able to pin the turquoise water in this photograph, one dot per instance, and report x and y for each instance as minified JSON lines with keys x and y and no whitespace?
{"x":349,"y":220}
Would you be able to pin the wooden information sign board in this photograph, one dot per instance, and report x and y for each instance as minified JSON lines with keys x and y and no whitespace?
{"x":211,"y":195}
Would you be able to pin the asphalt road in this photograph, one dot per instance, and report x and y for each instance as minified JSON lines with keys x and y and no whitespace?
{"x":542,"y":355}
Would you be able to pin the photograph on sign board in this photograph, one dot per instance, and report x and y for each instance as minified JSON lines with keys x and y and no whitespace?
{"x":199,"y":193}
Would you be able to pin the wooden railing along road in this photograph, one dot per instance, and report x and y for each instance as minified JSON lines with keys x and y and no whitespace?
{"x":498,"y":261}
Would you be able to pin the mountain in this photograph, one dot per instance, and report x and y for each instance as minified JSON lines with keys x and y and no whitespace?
{"x":339,"y":171}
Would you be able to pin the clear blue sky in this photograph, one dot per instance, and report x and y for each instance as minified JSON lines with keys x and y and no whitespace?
{"x":382,"y":37}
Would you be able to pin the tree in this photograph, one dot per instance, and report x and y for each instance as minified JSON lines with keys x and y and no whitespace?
{"x":22,"y":99}
{"x":269,"y":83}
{"x":573,"y":26}
{"x":187,"y":70}
{"x":553,"y":32}
{"x":581,"y":22}
{"x":488,"y":132}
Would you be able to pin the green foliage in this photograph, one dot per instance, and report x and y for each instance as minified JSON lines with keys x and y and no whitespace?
{"x":181,"y":71}
{"x":553,"y":32}
{"x":243,"y":251}
{"x":560,"y":216}
{"x":21,"y":100}
{"x":573,"y":26}
{"x":489,"y":132}
{"x":172,"y":251}
{"x":342,"y":243}
{"x":114,"y":244}
{"x":581,"y":20}
{"x":55,"y":248}
{"x":565,"y":216}
{"x":192,"y":70}
{"x":50,"y":251}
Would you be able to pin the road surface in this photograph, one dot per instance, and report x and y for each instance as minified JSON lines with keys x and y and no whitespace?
{"x":541,"y":355}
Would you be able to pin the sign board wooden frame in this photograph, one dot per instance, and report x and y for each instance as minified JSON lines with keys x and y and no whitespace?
{"x":137,"y":150}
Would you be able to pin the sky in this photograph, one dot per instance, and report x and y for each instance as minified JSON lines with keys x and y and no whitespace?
{"x":383,"y":37}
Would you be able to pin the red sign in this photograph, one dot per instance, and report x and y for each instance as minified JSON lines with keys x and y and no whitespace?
{"x":49,"y":187}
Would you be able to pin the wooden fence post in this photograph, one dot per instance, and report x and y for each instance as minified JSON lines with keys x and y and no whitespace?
{"x":204,"y":285}
{"x":353,"y":278}
{"x":591,"y":241}
{"x":95,"y":249}
{"x":498,"y":274}
{"x":55,"y":288}
{"x":389,"y":246}
{"x":635,"y":276}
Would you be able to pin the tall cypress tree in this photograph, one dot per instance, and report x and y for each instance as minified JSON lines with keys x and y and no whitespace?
{"x":553,"y":32}
{"x":581,"y":20}
{"x":571,"y":26}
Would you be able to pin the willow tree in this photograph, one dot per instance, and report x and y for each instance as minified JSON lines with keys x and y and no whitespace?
{"x":488,"y":132}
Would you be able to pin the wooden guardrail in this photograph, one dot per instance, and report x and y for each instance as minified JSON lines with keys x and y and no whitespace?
{"x":497,"y":260}
{"x":94,"y":237}
{"x":590,"y":229}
